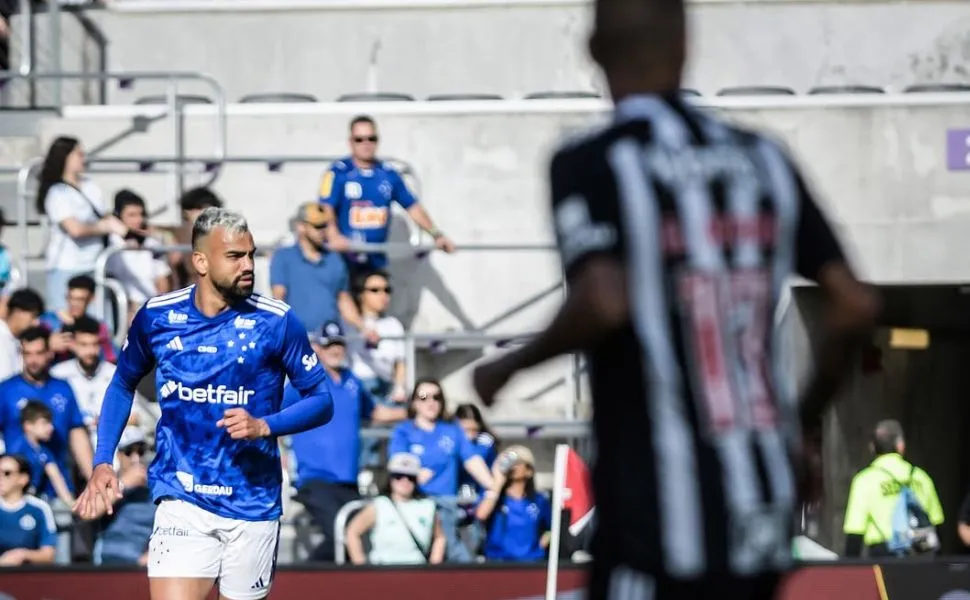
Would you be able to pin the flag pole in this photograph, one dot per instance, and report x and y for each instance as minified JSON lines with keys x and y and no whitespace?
{"x":558,"y":486}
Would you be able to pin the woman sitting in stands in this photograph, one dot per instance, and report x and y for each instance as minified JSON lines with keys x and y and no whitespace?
{"x":28,"y":534}
{"x":403,"y":526}
{"x":443,"y":450}
{"x":79,"y":223}
{"x":517,"y":518}
{"x":380,"y":367}
{"x":471,"y":421}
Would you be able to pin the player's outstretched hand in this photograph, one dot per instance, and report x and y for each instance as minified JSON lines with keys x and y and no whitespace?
{"x":489,"y":378}
{"x":99,"y":496}
{"x":243,"y":426}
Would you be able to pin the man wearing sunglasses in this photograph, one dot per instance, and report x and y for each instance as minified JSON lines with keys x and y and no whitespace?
{"x":312,"y":279}
{"x":360,"y":190}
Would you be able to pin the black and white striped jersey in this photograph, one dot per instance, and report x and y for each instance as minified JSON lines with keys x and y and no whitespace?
{"x":693,"y":433}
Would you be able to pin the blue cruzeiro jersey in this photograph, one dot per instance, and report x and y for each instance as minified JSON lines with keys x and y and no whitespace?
{"x":361,"y":199}
{"x":205,"y":366}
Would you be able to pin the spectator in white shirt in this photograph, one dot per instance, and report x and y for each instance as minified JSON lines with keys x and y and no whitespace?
{"x":142,"y":273}
{"x":380,"y":366}
{"x":89,"y":375}
{"x":78,"y":223}
{"x":24,"y":306}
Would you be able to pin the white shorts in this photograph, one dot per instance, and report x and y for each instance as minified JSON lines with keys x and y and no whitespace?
{"x":188,"y":542}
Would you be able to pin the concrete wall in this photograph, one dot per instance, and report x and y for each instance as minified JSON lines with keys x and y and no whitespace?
{"x":880,"y":169}
{"x":514,"y":48}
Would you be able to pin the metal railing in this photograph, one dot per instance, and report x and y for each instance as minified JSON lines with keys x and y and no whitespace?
{"x":454,"y":339}
{"x":146,"y":164}
{"x":436,"y":342}
{"x":28,"y":51}
{"x":172,"y":108}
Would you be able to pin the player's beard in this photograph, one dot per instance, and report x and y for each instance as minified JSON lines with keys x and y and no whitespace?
{"x":235,"y":290}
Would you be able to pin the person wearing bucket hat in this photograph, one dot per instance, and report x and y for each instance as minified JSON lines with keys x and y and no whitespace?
{"x":403,"y":524}
{"x":328,"y":457}
{"x":517,"y":518}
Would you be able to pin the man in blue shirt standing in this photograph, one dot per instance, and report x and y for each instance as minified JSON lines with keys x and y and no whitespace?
{"x":327,"y":458}
{"x":360,"y":189}
{"x":221,"y":354}
{"x":312,"y":279}
{"x":35,"y":383}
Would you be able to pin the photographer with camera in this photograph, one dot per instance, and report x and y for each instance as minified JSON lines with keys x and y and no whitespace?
{"x":517,"y":518}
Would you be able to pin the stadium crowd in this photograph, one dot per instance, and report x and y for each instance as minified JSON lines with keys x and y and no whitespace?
{"x":440,"y":490}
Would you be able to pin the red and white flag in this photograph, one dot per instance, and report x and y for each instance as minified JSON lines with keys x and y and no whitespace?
{"x":572,"y":490}
{"x":578,"y":492}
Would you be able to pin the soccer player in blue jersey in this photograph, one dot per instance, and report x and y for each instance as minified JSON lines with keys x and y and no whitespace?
{"x":360,"y":189}
{"x":221,"y":354}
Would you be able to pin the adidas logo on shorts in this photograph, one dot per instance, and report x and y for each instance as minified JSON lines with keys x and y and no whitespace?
{"x":258,"y":585}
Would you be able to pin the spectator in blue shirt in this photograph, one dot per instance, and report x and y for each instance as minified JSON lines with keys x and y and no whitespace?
{"x":313,"y":280}
{"x":6,"y":265}
{"x":35,"y":383}
{"x":46,"y":478}
{"x":517,"y":518}
{"x":124,"y":539}
{"x":360,"y":189}
{"x":470,"y":419}
{"x":28,"y":534}
{"x":327,"y":457}
{"x":443,"y":449}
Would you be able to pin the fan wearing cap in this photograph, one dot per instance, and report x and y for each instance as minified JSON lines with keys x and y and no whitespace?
{"x":313,"y":280}
{"x":517,"y":518}
{"x":125,"y":532}
{"x":328,"y":457}
{"x":405,"y":529}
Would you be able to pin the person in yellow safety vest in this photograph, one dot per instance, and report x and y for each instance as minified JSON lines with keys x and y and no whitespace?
{"x":881,"y":514}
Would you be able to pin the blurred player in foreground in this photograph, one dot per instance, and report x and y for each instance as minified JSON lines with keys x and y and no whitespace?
{"x":222,"y":353}
{"x":678,"y":233}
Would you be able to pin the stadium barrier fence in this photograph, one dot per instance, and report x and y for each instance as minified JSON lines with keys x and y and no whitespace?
{"x":210,"y":165}
{"x":435,"y":342}
{"x":172,"y":108}
{"x":899,"y":580}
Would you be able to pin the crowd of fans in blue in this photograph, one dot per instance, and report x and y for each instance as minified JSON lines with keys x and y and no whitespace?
{"x":446,"y":491}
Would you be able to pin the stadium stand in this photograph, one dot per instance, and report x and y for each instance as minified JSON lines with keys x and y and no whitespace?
{"x":880,"y":159}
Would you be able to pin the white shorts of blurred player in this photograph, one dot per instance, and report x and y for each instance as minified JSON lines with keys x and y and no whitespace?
{"x":189,"y":542}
